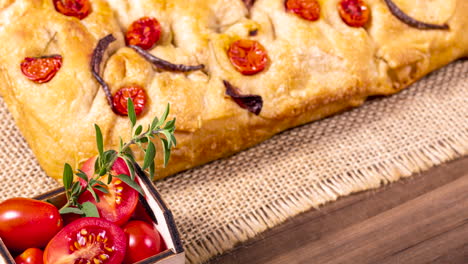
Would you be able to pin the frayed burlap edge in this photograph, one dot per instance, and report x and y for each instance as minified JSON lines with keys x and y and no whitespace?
{"x":371,"y":177}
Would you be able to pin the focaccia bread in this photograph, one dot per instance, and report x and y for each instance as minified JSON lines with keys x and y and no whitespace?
{"x":305,"y":60}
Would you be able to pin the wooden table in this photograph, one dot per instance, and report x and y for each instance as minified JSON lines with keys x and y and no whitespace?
{"x":422,"y":219}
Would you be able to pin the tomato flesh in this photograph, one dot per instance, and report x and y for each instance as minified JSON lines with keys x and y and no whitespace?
{"x":41,"y":69}
{"x":30,"y":256}
{"x":118,"y":205}
{"x":354,"y":13}
{"x":28,"y":223}
{"x":135,"y":93}
{"x":87,"y":240}
{"x":248,"y":56}
{"x":143,"y":241}
{"x":144,"y":32}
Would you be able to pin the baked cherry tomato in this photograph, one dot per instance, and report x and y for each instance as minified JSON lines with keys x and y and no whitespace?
{"x":136,"y":93}
{"x":248,"y":56}
{"x":119,"y":204}
{"x":143,"y":241}
{"x":75,"y":8}
{"x":87,"y":240}
{"x":144,"y":32}
{"x":28,"y":223}
{"x":354,"y":13}
{"x":30,"y":256}
{"x":41,"y":69}
{"x":306,"y":9}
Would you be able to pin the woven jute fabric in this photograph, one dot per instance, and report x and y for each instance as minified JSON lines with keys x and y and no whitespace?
{"x":228,"y":201}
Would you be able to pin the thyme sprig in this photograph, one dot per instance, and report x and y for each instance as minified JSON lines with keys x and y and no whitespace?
{"x":159,"y":128}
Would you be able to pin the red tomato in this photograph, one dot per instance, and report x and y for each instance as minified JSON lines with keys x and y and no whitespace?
{"x":144,"y":32}
{"x":87,"y":240}
{"x":141,"y":214}
{"x":354,"y":13}
{"x":306,"y":9}
{"x":247,"y":56}
{"x":75,"y":8}
{"x":27,"y":223}
{"x":143,"y":241}
{"x":119,"y":204}
{"x":30,"y":256}
{"x":134,"y":92}
{"x":41,"y":69}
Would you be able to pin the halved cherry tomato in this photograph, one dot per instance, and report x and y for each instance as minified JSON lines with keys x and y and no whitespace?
{"x":144,"y":32}
{"x":87,"y":240}
{"x":354,"y":13}
{"x":75,"y":8}
{"x":27,"y":223}
{"x":41,"y":69}
{"x":248,"y":56}
{"x":306,"y":9}
{"x":143,"y":241}
{"x":119,"y":204}
{"x":136,"y":93}
{"x":30,"y":256}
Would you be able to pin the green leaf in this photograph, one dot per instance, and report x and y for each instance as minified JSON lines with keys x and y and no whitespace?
{"x":82,"y":175}
{"x":168,"y":136}
{"x":109,"y":157}
{"x":166,"y":150}
{"x":89,"y":209}
{"x":121,"y":144}
{"x":131,"y":183}
{"x":138,"y":130}
{"x":164,"y":116}
{"x":71,"y":210}
{"x":99,"y":140}
{"x":97,"y":165}
{"x":130,"y":167}
{"x":131,"y":112}
{"x":170,"y":124}
{"x":154,"y":123}
{"x":93,"y":193}
{"x":173,"y":139}
{"x":76,"y":188}
{"x":67,"y":176}
{"x":109,"y":178}
{"x":144,"y":140}
{"x":149,"y":155}
{"x":101,"y":188}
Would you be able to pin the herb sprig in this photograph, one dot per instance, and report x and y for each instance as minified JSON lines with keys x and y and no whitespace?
{"x":158,"y":129}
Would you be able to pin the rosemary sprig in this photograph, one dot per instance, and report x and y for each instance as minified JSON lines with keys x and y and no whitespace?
{"x":158,"y":129}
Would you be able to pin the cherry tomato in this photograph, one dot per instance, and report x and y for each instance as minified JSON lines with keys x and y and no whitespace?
{"x":87,"y":240}
{"x":75,"y":8}
{"x":248,"y":56}
{"x":354,"y":13}
{"x":30,"y":256}
{"x":27,"y":223}
{"x":140,"y":213}
{"x":144,"y":32}
{"x":119,"y":204}
{"x":306,"y":9}
{"x":41,"y":69}
{"x":136,"y":93}
{"x":143,"y":241}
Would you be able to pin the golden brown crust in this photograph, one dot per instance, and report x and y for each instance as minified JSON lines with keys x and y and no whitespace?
{"x":315,"y":69}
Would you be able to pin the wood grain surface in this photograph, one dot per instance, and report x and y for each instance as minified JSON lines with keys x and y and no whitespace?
{"x":422,"y":219}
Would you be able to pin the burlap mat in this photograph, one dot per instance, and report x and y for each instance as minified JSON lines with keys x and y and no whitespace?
{"x":231,"y":200}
